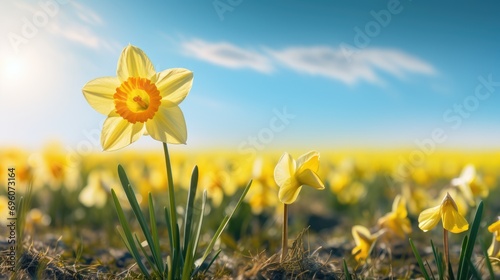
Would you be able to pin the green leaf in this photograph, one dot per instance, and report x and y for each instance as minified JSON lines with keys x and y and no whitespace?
{"x":462,"y":252}
{"x":346,"y":270}
{"x":174,"y":233}
{"x":475,"y":273}
{"x":224,"y":223}
{"x":189,"y":209}
{"x":196,"y":237}
{"x":451,"y":276}
{"x":487,"y":261}
{"x":200,"y":222}
{"x":439,"y":261}
{"x":222,"y":226}
{"x":465,"y":257}
{"x":212,"y":261}
{"x":130,"y":243}
{"x":154,"y":234}
{"x":419,"y":260}
{"x":137,"y":211}
{"x":150,"y":260}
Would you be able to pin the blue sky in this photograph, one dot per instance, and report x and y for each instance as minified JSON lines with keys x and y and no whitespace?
{"x":268,"y":74}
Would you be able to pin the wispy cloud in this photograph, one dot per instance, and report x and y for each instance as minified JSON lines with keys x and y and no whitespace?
{"x":78,"y":34}
{"x":365,"y":65}
{"x":71,"y":21}
{"x":86,"y":14}
{"x":227,"y":55}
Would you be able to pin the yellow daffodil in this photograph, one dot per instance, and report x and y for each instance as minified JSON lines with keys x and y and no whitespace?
{"x":291,"y":176}
{"x":262,"y":194}
{"x":447,"y":211}
{"x":494,"y":250}
{"x":140,"y":101}
{"x":470,"y":184}
{"x":36,"y":218}
{"x":495,"y":229}
{"x":364,"y":241}
{"x":96,"y":192}
{"x":397,"y":221}
{"x":53,"y":168}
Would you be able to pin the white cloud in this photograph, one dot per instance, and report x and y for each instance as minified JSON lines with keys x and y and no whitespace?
{"x":364,"y":65}
{"x":78,"y":34}
{"x":227,"y":55}
{"x":86,"y":14}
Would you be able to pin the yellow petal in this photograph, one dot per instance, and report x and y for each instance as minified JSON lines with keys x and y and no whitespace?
{"x":99,"y":94}
{"x":289,"y":191}
{"x":308,"y":177}
{"x":174,"y":84}
{"x":399,"y":207}
{"x":429,"y":218}
{"x":168,"y":124}
{"x":134,"y":62}
{"x":308,"y":161}
{"x":118,"y":133}
{"x":495,"y":229}
{"x":361,"y":234}
{"x":468,"y":173}
{"x":363,"y":240}
{"x":285,"y":168}
{"x":452,"y":220}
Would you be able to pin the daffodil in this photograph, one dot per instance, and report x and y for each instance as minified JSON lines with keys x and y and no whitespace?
{"x":364,"y":241}
{"x":397,"y":221}
{"x":495,"y":229}
{"x":447,"y":211}
{"x":140,"y":101}
{"x":95,"y":193}
{"x":470,"y":184}
{"x":291,"y":176}
{"x":262,"y":194}
{"x":36,"y":218}
{"x":494,"y":250}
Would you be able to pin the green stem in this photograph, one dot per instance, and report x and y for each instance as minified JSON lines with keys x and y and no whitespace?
{"x":284,"y":236}
{"x":446,"y":249}
{"x":173,"y":212}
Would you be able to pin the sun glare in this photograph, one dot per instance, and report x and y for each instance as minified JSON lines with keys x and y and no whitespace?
{"x":12,"y":68}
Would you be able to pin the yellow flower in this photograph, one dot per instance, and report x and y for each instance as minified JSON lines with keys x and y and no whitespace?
{"x":140,"y":101}
{"x":262,"y":194}
{"x":397,"y":221}
{"x":291,"y":176}
{"x":364,"y":241}
{"x":494,"y":250}
{"x":447,"y":211}
{"x":495,"y":229}
{"x":95,"y":193}
{"x":470,"y":184}
{"x":36,"y":218}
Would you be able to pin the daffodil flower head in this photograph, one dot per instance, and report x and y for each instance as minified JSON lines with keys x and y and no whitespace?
{"x":364,"y":241}
{"x":494,"y":249}
{"x":140,"y":101}
{"x":291,"y":175}
{"x":397,"y":221}
{"x":495,"y":229}
{"x":448,"y":212}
